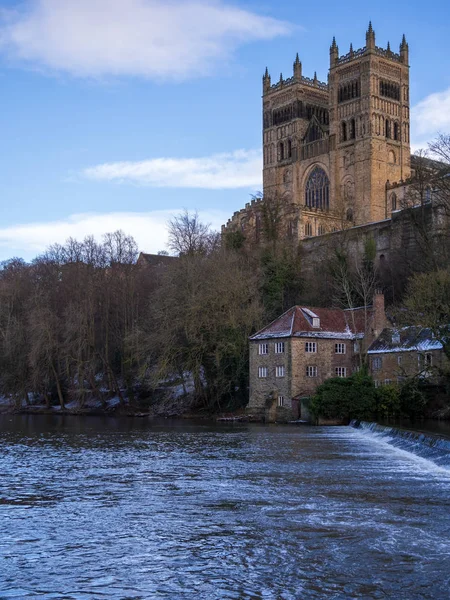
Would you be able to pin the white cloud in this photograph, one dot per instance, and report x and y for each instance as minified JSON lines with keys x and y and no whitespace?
{"x":429,"y":117}
{"x":239,"y":169}
{"x":147,"y":38}
{"x":148,"y":229}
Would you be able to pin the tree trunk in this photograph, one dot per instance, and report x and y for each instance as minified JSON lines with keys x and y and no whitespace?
{"x":58,"y":386}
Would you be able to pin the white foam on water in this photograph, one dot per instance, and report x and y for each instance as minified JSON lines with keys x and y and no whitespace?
{"x":424,"y":465}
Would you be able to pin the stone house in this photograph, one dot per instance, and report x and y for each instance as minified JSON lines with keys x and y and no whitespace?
{"x":403,"y":353}
{"x":300,"y":349}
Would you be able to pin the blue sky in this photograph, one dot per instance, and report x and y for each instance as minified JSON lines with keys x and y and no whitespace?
{"x":120,"y":113}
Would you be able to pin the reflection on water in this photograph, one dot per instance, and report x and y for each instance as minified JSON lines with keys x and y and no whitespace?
{"x":102,"y":508}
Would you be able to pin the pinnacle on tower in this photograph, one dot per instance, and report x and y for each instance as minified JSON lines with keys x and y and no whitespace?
{"x":315,"y":77}
{"x":370,"y":37}
{"x":266,"y":80}
{"x":351,"y":48}
{"x":334,"y":52}
{"x":281,"y":77}
{"x":388,"y":47}
{"x":404,"y":50}
{"x":297,"y":68}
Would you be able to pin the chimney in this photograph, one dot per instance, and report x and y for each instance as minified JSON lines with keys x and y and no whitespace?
{"x":379,"y":321}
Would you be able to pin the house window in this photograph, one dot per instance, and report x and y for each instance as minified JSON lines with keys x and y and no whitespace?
{"x":339,"y":348}
{"x":376,"y":363}
{"x":262,"y":372}
{"x":280,"y":400}
{"x":308,"y":230}
{"x":387,"y":381}
{"x":399,"y":360}
{"x":311,"y":347}
{"x":279,"y":371}
{"x":263,"y":349}
{"x":341,"y":371}
{"x":311,"y":371}
{"x":279,"y":348}
{"x":428,"y":360}
{"x":376,"y":383}
{"x":428,"y":194}
{"x":356,"y":347}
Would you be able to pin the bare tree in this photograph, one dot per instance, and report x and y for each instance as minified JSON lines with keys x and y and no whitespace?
{"x":188,"y":236}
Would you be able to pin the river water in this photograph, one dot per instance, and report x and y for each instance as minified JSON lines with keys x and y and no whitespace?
{"x":94,"y":508}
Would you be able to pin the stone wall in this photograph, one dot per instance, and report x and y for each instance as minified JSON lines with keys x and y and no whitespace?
{"x":396,"y":366}
{"x":413,"y":239}
{"x":264,"y":391}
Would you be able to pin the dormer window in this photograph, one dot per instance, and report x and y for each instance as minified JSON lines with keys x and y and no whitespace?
{"x":311,"y":317}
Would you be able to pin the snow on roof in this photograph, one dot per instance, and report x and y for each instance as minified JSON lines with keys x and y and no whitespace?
{"x":405,"y":339}
{"x":335,"y":323}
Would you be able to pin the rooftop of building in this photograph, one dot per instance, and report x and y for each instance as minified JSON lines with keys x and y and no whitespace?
{"x":155,"y":260}
{"x":326,"y":323}
{"x":405,"y":339}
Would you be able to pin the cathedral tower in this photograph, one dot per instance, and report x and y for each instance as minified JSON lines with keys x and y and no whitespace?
{"x":369,"y":126}
{"x":330,"y":148}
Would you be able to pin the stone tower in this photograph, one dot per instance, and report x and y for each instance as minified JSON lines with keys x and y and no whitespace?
{"x":331,"y":149}
{"x":369,"y":126}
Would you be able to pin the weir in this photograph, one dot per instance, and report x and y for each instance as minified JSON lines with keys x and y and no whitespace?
{"x":430,"y":447}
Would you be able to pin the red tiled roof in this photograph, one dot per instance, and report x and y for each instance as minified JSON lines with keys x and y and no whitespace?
{"x":334,"y":323}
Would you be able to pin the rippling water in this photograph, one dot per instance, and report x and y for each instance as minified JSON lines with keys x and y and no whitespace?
{"x":100,"y":508}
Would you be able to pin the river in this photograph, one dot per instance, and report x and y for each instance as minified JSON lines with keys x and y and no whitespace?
{"x":101,"y":508}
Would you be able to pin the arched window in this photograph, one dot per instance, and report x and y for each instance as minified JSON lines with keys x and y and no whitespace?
{"x":349,"y":214}
{"x":352,"y":129}
{"x":344,"y":131}
{"x":289,"y":149}
{"x":396,"y":132}
{"x":321,"y":230}
{"x":281,"y":151}
{"x":394,"y":201}
{"x":391,"y":157}
{"x":388,"y":128}
{"x":317,"y":190}
{"x":308,"y":229}
{"x":428,"y":193}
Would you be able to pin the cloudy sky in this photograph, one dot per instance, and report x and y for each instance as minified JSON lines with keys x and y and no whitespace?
{"x":120,"y":113}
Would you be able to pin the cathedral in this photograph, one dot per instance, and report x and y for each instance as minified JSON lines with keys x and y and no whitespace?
{"x":335,"y":154}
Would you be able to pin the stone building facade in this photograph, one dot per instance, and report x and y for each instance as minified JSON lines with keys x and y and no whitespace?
{"x":295,"y":353}
{"x":331,"y":150}
{"x":405,"y":353}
